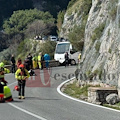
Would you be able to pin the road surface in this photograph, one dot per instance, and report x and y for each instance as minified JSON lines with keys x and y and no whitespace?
{"x":45,"y":103}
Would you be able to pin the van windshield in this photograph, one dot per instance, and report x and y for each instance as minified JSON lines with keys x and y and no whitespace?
{"x":62,"y":48}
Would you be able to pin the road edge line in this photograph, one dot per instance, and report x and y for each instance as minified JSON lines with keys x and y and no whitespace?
{"x":81,"y":101}
{"x":23,"y":110}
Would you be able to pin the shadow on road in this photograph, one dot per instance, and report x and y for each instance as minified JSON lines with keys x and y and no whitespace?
{"x":38,"y":98}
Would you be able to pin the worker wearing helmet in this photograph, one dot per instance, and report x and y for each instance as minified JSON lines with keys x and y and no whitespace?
{"x":3,"y":71}
{"x":21,"y":75}
{"x":6,"y":90}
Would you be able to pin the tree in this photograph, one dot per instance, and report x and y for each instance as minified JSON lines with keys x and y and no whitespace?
{"x":49,"y":48}
{"x":60,"y":19}
{"x":19,"y":20}
{"x":39,"y":28}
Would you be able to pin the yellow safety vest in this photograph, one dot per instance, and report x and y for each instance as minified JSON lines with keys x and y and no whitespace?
{"x":18,"y":75}
{"x":2,"y":73}
{"x":7,"y":92}
{"x":39,"y":57}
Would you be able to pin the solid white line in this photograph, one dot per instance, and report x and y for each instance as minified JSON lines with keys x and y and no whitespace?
{"x":12,"y":83}
{"x":75,"y":99}
{"x":23,"y":110}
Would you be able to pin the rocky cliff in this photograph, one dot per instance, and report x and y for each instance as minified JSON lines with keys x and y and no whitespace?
{"x":101,"y":53}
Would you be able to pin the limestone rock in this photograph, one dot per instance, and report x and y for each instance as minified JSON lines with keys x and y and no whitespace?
{"x":112,"y":99}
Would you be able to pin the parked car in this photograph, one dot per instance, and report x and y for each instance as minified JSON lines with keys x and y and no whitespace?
{"x":53,"y":38}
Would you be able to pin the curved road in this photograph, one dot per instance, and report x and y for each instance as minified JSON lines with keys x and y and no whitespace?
{"x":45,"y":103}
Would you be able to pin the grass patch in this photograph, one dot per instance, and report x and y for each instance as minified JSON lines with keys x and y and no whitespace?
{"x":116,"y":106}
{"x":76,"y":92}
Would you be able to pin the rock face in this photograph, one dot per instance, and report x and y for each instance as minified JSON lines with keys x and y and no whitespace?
{"x":101,"y":53}
{"x":112,"y":99}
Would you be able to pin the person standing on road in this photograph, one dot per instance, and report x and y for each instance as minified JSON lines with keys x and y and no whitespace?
{"x":42,"y":61}
{"x":12,"y":64}
{"x":39,"y":60}
{"x":19,"y":62}
{"x":79,"y":57}
{"x":66,"y":59}
{"x":21,"y":75}
{"x":30,"y":60}
{"x":47,"y":59}
{"x":6,"y":90}
{"x":3,"y":71}
{"x":34,"y":59}
{"x":26,"y":63}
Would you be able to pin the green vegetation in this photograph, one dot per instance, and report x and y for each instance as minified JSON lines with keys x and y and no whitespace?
{"x":97,"y":46}
{"x":76,"y":35}
{"x":117,"y":106}
{"x":27,"y":23}
{"x":71,"y":3}
{"x":82,"y":93}
{"x":76,"y":92}
{"x":113,"y":12}
{"x":113,"y":9}
{"x":48,"y":47}
{"x":60,"y":18}
{"x":98,"y":72}
{"x":19,"y":20}
{"x":24,"y":48}
{"x":8,"y":6}
{"x":88,"y":73}
{"x":110,"y":50}
{"x":97,"y":33}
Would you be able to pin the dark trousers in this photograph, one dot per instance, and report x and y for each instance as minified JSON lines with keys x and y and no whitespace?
{"x":13,"y":68}
{"x":1,"y":88}
{"x":66,"y":62}
{"x":42,"y":64}
{"x":21,"y":84}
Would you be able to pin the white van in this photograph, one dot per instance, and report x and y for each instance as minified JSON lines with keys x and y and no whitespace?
{"x":60,"y":50}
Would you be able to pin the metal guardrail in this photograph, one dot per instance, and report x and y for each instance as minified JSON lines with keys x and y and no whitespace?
{"x":52,"y":63}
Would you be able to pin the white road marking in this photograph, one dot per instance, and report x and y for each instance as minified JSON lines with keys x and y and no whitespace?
{"x":75,"y":99}
{"x":12,"y":83}
{"x":23,"y":110}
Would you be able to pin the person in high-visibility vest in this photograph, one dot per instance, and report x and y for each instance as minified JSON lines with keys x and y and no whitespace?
{"x":3,"y":71}
{"x":21,"y":75}
{"x":39,"y":60}
{"x":34,"y":59}
{"x":6,"y":89}
{"x":7,"y":94}
{"x":79,"y":57}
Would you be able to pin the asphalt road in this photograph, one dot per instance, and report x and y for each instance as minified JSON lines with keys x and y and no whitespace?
{"x":43,"y":102}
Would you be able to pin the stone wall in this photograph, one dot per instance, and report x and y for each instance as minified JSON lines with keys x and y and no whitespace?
{"x":99,"y":94}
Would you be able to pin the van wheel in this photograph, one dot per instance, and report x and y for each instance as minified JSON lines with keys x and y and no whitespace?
{"x":73,"y":62}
